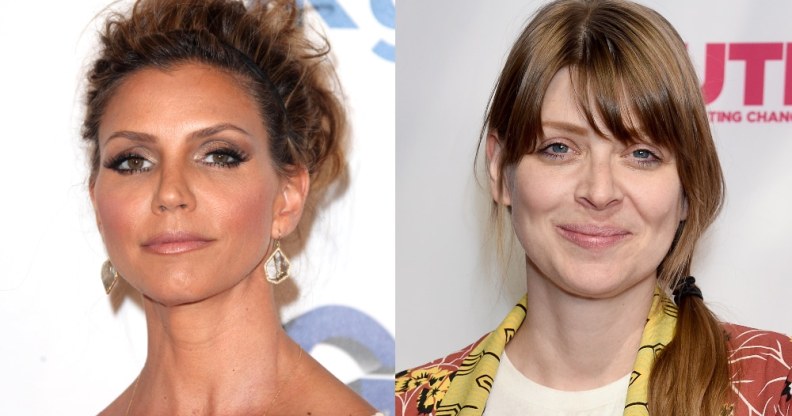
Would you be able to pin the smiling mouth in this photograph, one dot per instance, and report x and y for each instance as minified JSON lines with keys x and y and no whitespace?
{"x":175,"y":242}
{"x":593,"y":236}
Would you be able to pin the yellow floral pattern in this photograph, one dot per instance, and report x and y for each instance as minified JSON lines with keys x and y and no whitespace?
{"x":431,"y":383}
{"x":459,"y":384}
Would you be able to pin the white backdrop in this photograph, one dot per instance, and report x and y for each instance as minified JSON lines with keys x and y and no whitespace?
{"x":69,"y":349}
{"x":451,"y":290}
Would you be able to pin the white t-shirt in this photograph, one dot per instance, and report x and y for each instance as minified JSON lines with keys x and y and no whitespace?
{"x":514,"y":394}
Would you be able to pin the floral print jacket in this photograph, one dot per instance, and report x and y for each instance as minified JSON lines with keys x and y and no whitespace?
{"x":459,"y":384}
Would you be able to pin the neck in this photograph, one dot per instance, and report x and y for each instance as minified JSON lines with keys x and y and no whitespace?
{"x":573,"y":343}
{"x":226,"y":354}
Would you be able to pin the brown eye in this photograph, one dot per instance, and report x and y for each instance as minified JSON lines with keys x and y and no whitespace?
{"x":135,"y":163}
{"x":223,"y":158}
{"x":130,"y":163}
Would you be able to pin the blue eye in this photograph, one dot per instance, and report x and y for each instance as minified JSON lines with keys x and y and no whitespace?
{"x":644,"y":158}
{"x":558,"y":148}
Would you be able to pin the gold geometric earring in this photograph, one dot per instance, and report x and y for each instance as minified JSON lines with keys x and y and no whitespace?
{"x":276,"y":268}
{"x":109,"y":276}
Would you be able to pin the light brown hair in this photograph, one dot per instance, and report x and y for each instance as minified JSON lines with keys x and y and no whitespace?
{"x":264,"y":46}
{"x":631,"y":68}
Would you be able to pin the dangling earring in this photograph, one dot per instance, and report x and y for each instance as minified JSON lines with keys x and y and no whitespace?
{"x":109,"y":276}
{"x":277,"y":265}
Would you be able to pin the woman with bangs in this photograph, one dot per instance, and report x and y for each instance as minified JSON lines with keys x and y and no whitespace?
{"x":599,"y":154}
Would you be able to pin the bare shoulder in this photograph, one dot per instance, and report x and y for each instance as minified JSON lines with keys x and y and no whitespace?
{"x":317,"y":392}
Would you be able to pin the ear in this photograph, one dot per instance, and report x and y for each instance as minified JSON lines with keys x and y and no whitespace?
{"x":500,"y":192}
{"x":289,"y":203}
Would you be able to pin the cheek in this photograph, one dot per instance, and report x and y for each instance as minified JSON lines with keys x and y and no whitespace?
{"x":240,"y":210}
{"x":119,"y":210}
{"x":537,"y":199}
{"x":537,"y":194}
{"x":247,"y":213}
{"x":662,"y":204}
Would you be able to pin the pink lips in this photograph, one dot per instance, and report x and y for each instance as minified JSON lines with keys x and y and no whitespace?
{"x":593,"y":236}
{"x":176,"y":242}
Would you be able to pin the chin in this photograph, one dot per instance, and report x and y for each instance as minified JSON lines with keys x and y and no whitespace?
{"x":166,"y":297}
{"x":175,"y":290}
{"x":599,"y":284}
{"x":593,"y":291}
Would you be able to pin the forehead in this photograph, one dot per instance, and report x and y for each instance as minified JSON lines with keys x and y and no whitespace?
{"x":163,"y":101}
{"x":577,"y":108}
{"x":560,"y":103}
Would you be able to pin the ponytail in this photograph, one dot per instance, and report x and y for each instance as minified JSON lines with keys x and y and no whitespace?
{"x":691,"y":375}
{"x":632,"y":68}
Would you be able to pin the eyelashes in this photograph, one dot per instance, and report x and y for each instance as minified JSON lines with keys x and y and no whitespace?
{"x":555,"y":150}
{"x":639,"y":155}
{"x":645,"y":157}
{"x":225,"y":157}
{"x":130,"y":162}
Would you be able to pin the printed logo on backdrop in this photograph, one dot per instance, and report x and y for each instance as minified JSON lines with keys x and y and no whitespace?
{"x":765,"y":93}
{"x":360,"y":336}
{"x":336,"y":16}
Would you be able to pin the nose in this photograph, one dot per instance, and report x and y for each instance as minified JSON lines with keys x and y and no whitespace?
{"x":598,"y":187}
{"x":173,"y":192}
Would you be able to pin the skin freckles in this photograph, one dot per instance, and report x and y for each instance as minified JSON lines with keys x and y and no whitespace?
{"x":186,"y":197}
{"x":595,"y":216}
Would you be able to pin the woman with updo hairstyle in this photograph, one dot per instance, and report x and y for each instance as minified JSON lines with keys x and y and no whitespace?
{"x":600,"y":159}
{"x":209,"y":125}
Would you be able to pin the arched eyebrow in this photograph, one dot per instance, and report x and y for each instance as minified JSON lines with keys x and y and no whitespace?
{"x":136,"y":136}
{"x":565,"y":126}
{"x":212,"y":130}
{"x":133,"y":136}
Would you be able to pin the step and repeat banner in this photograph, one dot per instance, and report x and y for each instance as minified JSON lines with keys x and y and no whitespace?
{"x":70,"y":349}
{"x":451,"y":286}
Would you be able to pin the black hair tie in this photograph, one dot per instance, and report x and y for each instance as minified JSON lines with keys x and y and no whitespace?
{"x":687,"y":287}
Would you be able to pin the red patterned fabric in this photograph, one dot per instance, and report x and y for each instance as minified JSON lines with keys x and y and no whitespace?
{"x":761,"y":364}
